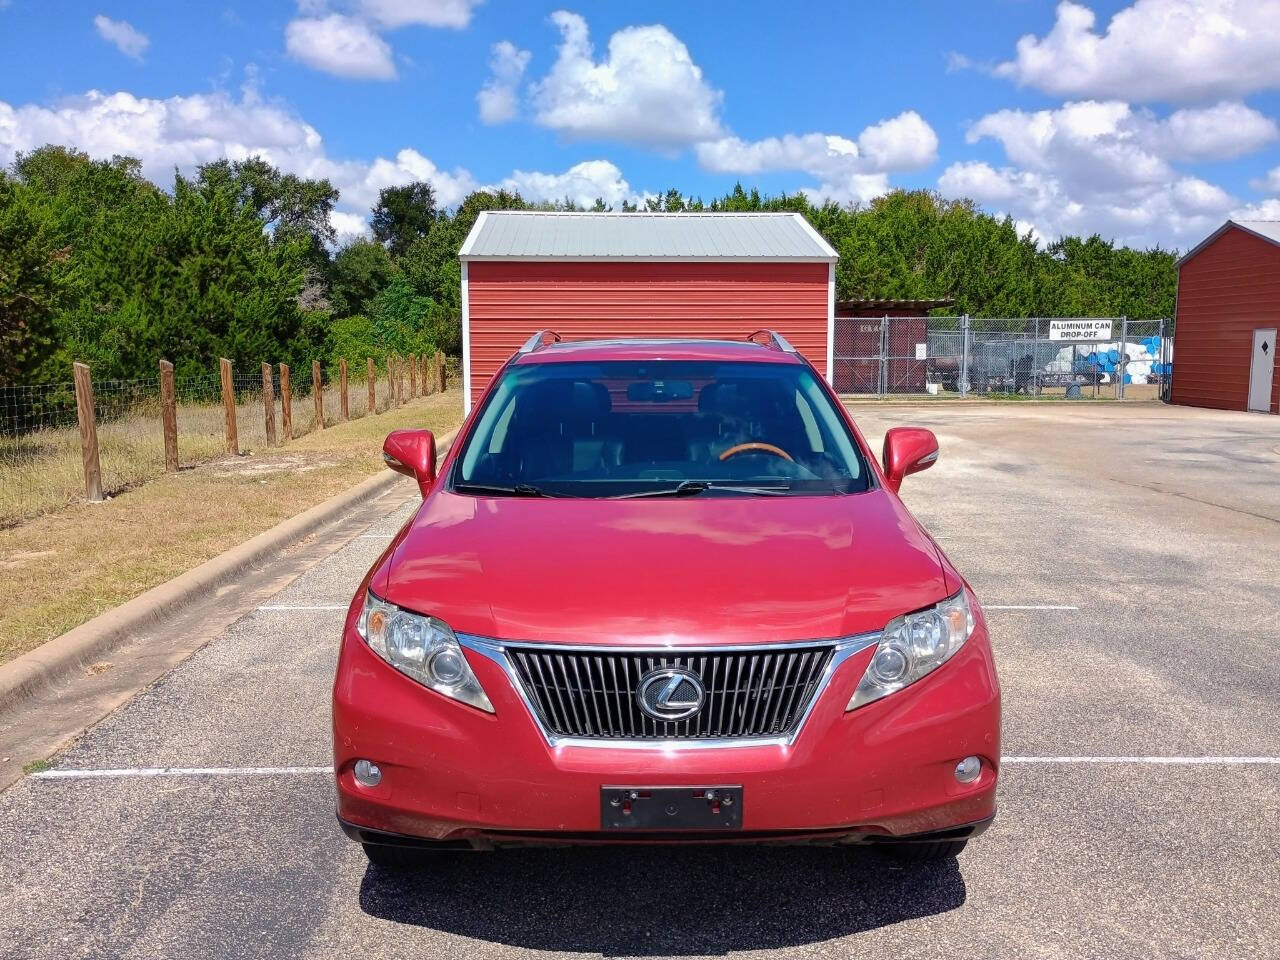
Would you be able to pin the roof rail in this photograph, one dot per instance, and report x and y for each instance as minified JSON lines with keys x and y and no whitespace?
{"x":776,"y":340}
{"x":539,"y":340}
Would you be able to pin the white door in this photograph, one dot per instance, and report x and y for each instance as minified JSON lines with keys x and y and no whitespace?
{"x":1261,"y":370}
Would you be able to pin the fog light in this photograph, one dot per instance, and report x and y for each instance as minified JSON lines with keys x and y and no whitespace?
{"x":967,"y":770}
{"x":368,"y":774}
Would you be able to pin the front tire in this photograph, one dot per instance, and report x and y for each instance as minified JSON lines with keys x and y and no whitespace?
{"x":931,"y":852}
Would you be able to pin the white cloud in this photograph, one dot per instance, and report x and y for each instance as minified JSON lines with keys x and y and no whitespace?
{"x":497,"y":99}
{"x":1085,"y":143}
{"x":1268,"y":209}
{"x":391,"y":14}
{"x":815,"y":153}
{"x":1161,"y":50}
{"x":1174,"y":213}
{"x":581,"y":183}
{"x":341,"y":45}
{"x":174,"y":132}
{"x":904,"y":142}
{"x":1193,"y":195}
{"x":1269,"y":183}
{"x":348,"y":226}
{"x":849,"y":170}
{"x":647,"y":90}
{"x":361,"y":182}
{"x":1220,"y":132}
{"x":982,"y":182}
{"x":122,"y":35}
{"x":852,"y":188}
{"x":1107,"y":167}
{"x":1108,"y":144}
{"x":185,"y":132}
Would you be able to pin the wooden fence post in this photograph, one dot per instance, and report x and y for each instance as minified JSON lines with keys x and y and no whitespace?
{"x":229,"y":406}
{"x":169,"y":416}
{"x":317,"y":393}
{"x":442,"y":375}
{"x":373,"y":386}
{"x":391,"y":382}
{"x":269,"y":404}
{"x":400,"y":363}
{"x":413,"y":375}
{"x":286,"y":404}
{"x":88,"y":432}
{"x":424,"y":367}
{"x":342,"y":388}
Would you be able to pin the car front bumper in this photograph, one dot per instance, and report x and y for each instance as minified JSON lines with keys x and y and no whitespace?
{"x":452,"y":773}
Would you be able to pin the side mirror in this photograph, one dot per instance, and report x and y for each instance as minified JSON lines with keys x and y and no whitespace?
{"x":908,"y":450}
{"x":413,"y":453}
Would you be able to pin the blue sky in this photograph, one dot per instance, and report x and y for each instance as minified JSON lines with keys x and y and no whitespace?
{"x":1149,"y":122}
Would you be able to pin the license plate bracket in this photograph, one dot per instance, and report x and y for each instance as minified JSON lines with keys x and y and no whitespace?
{"x":713,"y":809}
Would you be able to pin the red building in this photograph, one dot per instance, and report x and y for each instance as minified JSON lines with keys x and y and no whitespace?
{"x":865,"y":330}
{"x":1228,"y":313}
{"x":592,"y":275}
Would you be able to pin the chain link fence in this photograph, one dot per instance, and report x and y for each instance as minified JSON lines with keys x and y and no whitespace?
{"x":1066,"y":357}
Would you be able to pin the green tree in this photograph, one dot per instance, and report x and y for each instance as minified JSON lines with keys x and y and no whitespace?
{"x":29,"y":285}
{"x":400,"y":319}
{"x":293,"y":209}
{"x":359,"y":272}
{"x":186,"y":276}
{"x":404,"y":214}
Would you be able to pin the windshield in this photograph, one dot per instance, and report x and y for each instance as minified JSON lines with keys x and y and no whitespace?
{"x":659,"y":428}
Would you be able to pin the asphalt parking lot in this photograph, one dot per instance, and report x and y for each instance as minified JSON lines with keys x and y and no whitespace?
{"x":1130,"y":564}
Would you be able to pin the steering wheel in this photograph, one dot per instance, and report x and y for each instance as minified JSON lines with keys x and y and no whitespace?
{"x":758,"y":448}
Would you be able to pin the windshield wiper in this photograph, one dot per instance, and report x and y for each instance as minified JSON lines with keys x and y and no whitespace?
{"x":691,"y":488}
{"x":518,"y":490}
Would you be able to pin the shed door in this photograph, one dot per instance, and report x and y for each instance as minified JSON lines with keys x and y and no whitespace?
{"x":1261,"y":370}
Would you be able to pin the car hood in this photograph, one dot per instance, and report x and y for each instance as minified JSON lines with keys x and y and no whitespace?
{"x":708,"y":570}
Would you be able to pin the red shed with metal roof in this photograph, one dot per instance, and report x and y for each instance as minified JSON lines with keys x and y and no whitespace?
{"x":1228,"y":316}
{"x":600,"y":275}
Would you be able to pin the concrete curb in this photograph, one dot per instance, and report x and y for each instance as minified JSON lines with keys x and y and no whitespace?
{"x":80,"y":646}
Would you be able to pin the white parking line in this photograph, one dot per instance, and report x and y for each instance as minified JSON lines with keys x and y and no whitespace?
{"x":178,"y":772}
{"x":146,"y":772}
{"x":997,"y":606}
{"x":1160,"y":761}
{"x":290,"y":606}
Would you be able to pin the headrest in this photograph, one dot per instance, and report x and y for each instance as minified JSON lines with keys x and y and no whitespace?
{"x":564,"y":400}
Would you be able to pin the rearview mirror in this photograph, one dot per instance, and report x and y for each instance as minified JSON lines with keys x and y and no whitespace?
{"x":908,"y":450}
{"x":413,"y":453}
{"x":659,"y":391}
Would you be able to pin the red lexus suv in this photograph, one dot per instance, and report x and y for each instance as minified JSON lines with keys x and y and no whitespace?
{"x":661,"y":591}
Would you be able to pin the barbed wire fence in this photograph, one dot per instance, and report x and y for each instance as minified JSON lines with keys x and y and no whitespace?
{"x":47,"y":442}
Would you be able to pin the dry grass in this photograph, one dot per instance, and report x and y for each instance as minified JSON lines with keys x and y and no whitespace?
{"x":42,"y":471}
{"x":67,"y":565}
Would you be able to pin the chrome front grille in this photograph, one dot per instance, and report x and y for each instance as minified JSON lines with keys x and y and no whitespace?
{"x":591,"y":694}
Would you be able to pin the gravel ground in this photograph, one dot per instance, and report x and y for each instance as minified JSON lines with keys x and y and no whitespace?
{"x":1161,"y":525}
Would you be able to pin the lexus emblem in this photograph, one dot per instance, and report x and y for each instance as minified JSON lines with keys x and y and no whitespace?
{"x":671,"y":693}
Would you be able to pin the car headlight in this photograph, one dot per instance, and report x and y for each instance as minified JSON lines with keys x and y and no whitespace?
{"x":423,"y":648}
{"x":913,"y":646}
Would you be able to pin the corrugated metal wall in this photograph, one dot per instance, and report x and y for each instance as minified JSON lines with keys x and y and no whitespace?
{"x":511,"y":300}
{"x":1225,"y":292}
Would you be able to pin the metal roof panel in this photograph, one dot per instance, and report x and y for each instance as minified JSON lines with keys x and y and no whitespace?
{"x":521,"y":234}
